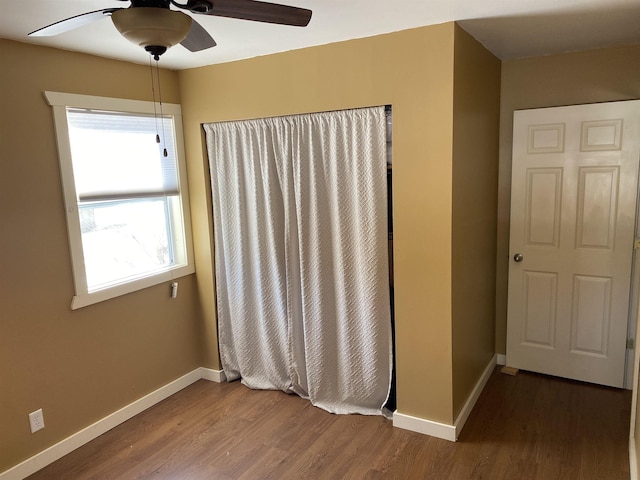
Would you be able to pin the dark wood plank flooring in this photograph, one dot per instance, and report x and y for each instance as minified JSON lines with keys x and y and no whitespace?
{"x":523,"y":427}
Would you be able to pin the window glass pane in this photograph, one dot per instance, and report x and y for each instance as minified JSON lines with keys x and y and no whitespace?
{"x":124,"y":240}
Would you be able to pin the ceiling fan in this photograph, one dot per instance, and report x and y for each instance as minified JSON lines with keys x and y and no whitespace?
{"x":155,"y":27}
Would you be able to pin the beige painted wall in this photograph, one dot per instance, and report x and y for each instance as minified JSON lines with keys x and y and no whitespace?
{"x":610,"y":74}
{"x":414,"y":71}
{"x":475,"y":185}
{"x":82,"y":365}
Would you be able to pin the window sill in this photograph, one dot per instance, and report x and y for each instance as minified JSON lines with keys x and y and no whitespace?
{"x":85,"y":299}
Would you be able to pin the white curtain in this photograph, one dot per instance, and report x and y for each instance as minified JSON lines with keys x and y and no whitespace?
{"x":300,"y":227}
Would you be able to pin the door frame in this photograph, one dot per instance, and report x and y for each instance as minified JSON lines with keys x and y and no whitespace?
{"x":631,"y":355}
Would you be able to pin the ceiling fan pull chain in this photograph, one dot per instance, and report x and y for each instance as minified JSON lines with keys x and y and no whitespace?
{"x":164,"y":144}
{"x":153,"y":95}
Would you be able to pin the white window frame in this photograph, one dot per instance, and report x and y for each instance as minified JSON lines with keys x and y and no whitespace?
{"x":60,"y":102}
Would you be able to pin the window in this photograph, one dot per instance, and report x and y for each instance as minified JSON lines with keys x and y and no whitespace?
{"x":126,"y":200}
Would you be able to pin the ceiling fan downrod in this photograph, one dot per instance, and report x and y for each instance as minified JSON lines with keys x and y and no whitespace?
{"x":149,"y":3}
{"x":195,"y":6}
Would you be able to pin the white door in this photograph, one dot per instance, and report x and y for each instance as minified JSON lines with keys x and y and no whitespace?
{"x":573,"y":210}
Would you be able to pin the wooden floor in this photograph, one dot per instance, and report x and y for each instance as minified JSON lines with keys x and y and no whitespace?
{"x":523,"y":427}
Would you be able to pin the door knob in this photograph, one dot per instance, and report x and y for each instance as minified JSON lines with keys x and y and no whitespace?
{"x":518,"y":257}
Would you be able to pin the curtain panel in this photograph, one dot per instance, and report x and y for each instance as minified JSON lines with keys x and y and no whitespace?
{"x":301,"y":259}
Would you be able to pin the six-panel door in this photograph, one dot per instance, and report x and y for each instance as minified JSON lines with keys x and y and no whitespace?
{"x":573,"y":204}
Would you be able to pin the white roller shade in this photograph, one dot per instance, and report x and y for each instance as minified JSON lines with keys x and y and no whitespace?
{"x":116,"y":156}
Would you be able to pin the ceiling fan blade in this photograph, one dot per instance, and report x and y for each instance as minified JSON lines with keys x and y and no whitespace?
{"x":72,"y":22}
{"x":258,"y":11}
{"x":197,"y":38}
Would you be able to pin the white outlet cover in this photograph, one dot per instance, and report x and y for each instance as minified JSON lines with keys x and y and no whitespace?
{"x":36,"y":420}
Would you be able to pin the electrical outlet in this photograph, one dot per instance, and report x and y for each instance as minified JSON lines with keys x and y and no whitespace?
{"x":36,"y":420}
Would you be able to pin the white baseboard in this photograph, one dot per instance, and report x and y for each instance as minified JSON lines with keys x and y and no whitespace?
{"x":217,"y":376}
{"x":633,"y":459}
{"x":426,"y":427}
{"x":78,"y":439}
{"x":502,"y":359}
{"x":443,"y":430}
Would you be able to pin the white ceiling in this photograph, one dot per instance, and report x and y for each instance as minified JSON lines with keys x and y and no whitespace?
{"x":508,"y":28}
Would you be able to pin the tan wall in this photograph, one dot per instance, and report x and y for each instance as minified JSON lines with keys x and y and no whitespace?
{"x":79,"y":366}
{"x":413,"y":71}
{"x":475,"y":182}
{"x":588,"y":77}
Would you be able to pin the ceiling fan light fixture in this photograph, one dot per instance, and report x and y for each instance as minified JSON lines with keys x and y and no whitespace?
{"x":152,"y":26}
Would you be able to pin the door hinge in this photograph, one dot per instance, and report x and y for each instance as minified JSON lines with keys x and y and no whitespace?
{"x":631,"y":344}
{"x":636,"y":243}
